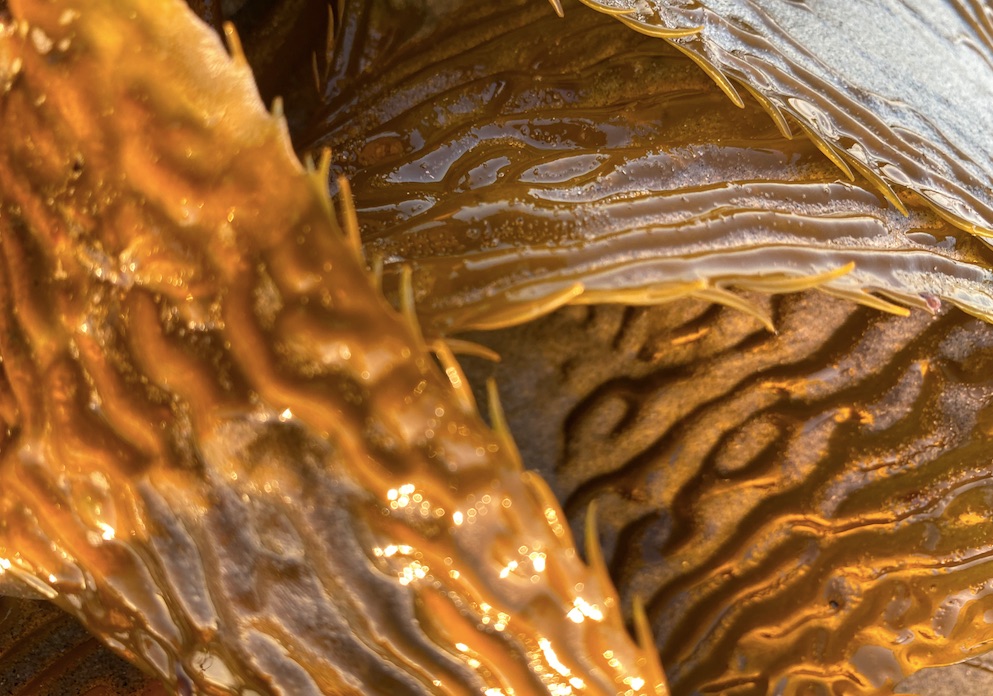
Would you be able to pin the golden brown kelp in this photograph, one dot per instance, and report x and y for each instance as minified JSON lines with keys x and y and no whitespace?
{"x":224,"y":452}
{"x":900,"y":91}
{"x":512,"y":181}
{"x":215,"y":373}
{"x":809,"y":512}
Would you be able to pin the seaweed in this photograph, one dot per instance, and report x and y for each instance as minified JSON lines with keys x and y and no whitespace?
{"x":240,"y":467}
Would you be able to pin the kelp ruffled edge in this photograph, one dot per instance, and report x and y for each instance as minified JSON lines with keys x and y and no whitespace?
{"x":899,"y":92}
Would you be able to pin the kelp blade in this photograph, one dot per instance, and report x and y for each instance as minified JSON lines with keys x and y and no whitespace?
{"x":900,"y":91}
{"x":224,"y":452}
{"x":619,"y":170}
{"x":804,"y":513}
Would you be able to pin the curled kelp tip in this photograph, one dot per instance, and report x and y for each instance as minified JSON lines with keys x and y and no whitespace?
{"x":900,"y":118}
{"x":220,"y":416}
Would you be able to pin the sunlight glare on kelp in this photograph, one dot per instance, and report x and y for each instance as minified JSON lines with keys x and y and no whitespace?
{"x":232,"y":460}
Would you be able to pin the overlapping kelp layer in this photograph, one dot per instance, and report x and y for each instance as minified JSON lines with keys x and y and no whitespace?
{"x":237,"y":466}
{"x":898,"y":90}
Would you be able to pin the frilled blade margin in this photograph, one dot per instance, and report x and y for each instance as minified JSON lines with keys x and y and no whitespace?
{"x":900,"y":91}
{"x":512,"y":181}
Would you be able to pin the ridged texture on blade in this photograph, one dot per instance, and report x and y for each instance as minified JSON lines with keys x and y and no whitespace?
{"x":900,"y":90}
{"x":45,"y":651}
{"x":224,"y":452}
{"x":514,"y":180}
{"x":804,"y":513}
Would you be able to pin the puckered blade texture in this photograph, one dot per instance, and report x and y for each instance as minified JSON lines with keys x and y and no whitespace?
{"x":899,"y":90}
{"x":808,"y":512}
{"x":513,"y":172}
{"x":222,"y":450}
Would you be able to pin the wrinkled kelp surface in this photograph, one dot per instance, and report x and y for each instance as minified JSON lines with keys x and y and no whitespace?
{"x":513,"y":181}
{"x":224,"y":452}
{"x":901,"y":90}
{"x":235,"y":464}
{"x":807,"y":510}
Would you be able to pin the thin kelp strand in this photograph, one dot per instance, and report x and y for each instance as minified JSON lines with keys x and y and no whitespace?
{"x":456,"y":376}
{"x":727,"y":298}
{"x":233,"y":42}
{"x":349,"y":218}
{"x":779,"y":118}
{"x":461,"y":346}
{"x":831,"y":152}
{"x":643,"y":632}
{"x":594,"y":552}
{"x":786,"y":283}
{"x":499,"y":423}
{"x":277,"y":109}
{"x":407,"y":305}
{"x":719,"y":78}
{"x":867,"y":299}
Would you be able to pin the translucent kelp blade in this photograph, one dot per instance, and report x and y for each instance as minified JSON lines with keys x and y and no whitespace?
{"x":803,"y":513}
{"x":224,"y":452}
{"x":620,"y":169}
{"x":901,"y":90}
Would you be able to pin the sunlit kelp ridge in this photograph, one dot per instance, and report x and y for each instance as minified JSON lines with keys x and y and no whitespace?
{"x":224,"y":452}
{"x":512,"y":181}
{"x":586,"y":164}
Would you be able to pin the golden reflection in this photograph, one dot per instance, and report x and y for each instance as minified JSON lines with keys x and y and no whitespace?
{"x":170,"y":272}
